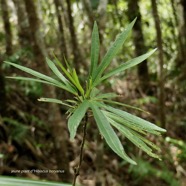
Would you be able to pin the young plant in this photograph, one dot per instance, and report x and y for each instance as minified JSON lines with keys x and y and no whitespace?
{"x":89,"y":100}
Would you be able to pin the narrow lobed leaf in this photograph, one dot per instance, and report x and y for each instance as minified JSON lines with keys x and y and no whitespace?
{"x":53,"y":100}
{"x":69,"y":68}
{"x":108,"y":133}
{"x":134,"y":119}
{"x":59,"y":85}
{"x":72,"y":76}
{"x":56,"y":71}
{"x":132,"y":126}
{"x":112,"y":51}
{"x":34,"y":73}
{"x":59,"y":74}
{"x":29,"y":79}
{"x":127,"y":65}
{"x":95,"y":45}
{"x":145,"y":140}
{"x":68,"y":75}
{"x":142,"y":126}
{"x":76,"y":117}
{"x":125,"y":105}
{"x":76,"y":81}
{"x":106,"y":96}
{"x":133,"y":138}
{"x":94,"y":92}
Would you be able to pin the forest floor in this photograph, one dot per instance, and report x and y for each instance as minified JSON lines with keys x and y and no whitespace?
{"x":27,"y":144}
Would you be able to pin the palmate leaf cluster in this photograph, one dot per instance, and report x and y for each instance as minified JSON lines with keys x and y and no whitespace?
{"x":88,"y":98}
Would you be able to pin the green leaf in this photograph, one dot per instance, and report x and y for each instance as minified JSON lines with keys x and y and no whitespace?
{"x":127,"y":65}
{"x":108,"y":133}
{"x":125,"y":105}
{"x":41,"y":76}
{"x":133,"y":126}
{"x":76,"y":82}
{"x":59,"y":75}
{"x":76,"y":117}
{"x":106,"y":96}
{"x":68,"y":75}
{"x":88,"y":87}
{"x":133,"y":138}
{"x":112,"y":51}
{"x":94,"y":92}
{"x":69,"y":68}
{"x":94,"y":50}
{"x":146,"y":125}
{"x":12,"y":181}
{"x":134,"y":122}
{"x":34,"y":73}
{"x":71,"y":101}
{"x":145,"y":140}
{"x":29,"y":79}
{"x":53,"y":100}
{"x":72,"y":77}
{"x":42,"y":81}
{"x":56,"y":71}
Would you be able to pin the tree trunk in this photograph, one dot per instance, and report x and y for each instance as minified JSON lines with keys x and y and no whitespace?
{"x":61,"y":33}
{"x":75,"y":47}
{"x":119,"y":17}
{"x":183,"y":3}
{"x":23,"y":26}
{"x":161,"y":62}
{"x":58,"y":127}
{"x":180,"y":39}
{"x":138,"y":39}
{"x":89,"y":12}
{"x":2,"y":93}
{"x":7,"y":26}
{"x":183,"y":31}
{"x":9,"y":49}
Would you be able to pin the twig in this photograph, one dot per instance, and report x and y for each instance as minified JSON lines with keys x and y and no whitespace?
{"x":77,"y":169}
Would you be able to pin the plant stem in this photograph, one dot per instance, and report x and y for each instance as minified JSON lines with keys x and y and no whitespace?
{"x":77,"y":169}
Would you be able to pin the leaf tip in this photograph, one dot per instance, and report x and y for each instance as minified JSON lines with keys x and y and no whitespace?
{"x":134,"y":20}
{"x":133,"y":162}
{"x":72,"y":136}
{"x":41,"y":99}
{"x":95,"y":23}
{"x":154,"y":50}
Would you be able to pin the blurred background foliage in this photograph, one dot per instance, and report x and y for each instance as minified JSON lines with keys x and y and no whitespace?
{"x":34,"y":135}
